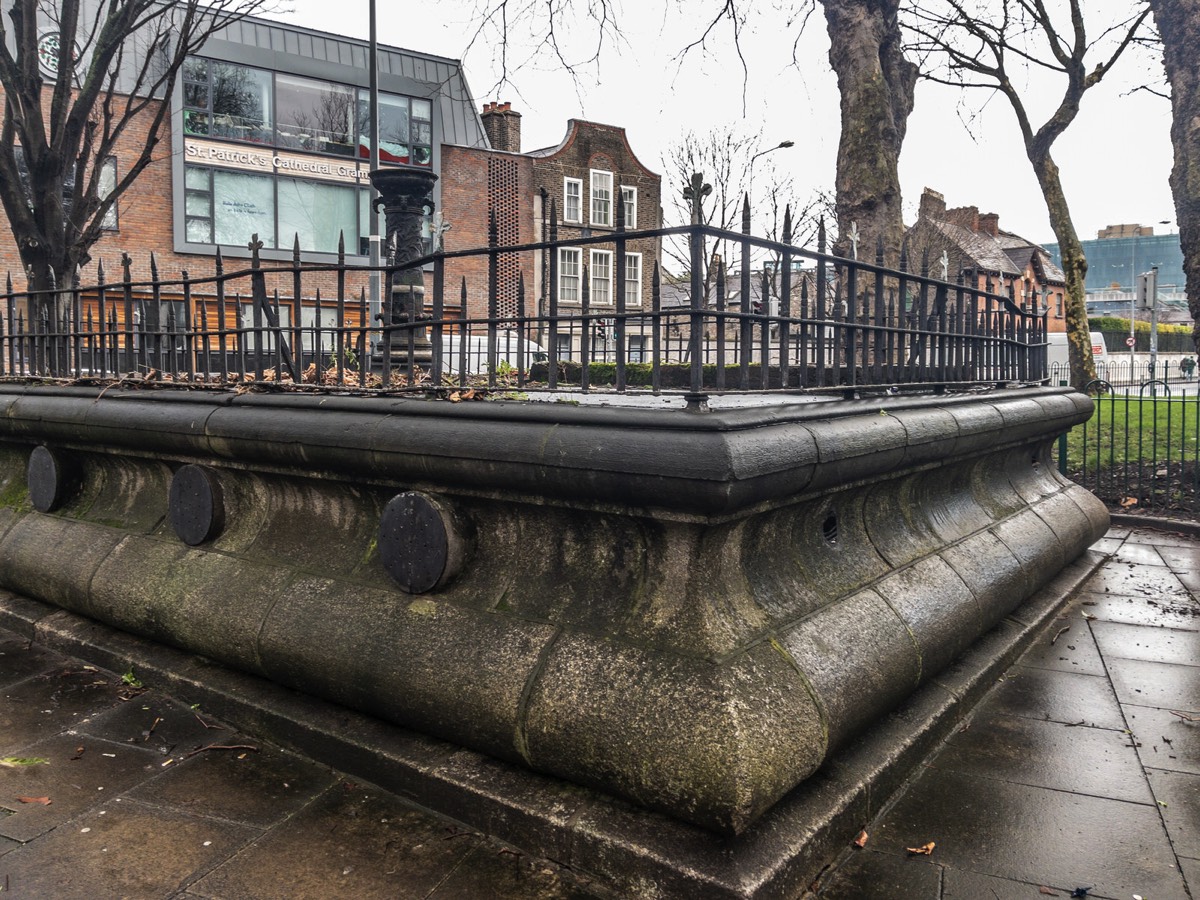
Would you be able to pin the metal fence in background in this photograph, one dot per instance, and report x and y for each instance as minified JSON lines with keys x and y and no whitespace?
{"x":1140,"y":451}
{"x":811,"y":321}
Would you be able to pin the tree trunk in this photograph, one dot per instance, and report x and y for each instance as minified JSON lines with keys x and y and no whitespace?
{"x":1179,"y":26}
{"x":1074,"y":265}
{"x":876,"y":84}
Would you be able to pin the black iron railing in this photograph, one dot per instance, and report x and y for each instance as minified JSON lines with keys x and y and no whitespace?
{"x":803,"y":320}
{"x":1140,"y":451}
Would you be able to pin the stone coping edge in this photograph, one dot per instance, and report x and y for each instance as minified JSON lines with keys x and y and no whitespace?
{"x":638,"y":853}
{"x":647,"y":461}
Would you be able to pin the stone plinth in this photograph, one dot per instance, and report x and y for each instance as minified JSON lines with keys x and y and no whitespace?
{"x":689,"y":610}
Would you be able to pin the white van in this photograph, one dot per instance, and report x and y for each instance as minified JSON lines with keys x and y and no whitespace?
{"x":1056,"y":352}
{"x":512,"y":352}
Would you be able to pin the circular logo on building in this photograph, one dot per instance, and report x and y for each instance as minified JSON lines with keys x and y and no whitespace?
{"x":48,"y":47}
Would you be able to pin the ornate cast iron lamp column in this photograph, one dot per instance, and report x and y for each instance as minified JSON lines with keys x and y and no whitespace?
{"x":406,"y":196}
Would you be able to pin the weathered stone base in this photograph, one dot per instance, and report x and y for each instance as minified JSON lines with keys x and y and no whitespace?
{"x":692,"y":611}
{"x":636,"y":852}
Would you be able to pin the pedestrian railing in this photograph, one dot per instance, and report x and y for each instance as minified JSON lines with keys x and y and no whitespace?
{"x":1140,"y":451}
{"x":805,"y":320}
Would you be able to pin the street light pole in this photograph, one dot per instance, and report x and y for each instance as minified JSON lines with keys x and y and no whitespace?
{"x":782,"y":145}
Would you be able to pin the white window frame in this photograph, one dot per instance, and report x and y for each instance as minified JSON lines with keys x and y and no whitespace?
{"x":632,"y":284}
{"x":629,"y":201}
{"x":601,"y":198}
{"x":600,"y":272}
{"x":577,"y":216}
{"x":570,"y":258}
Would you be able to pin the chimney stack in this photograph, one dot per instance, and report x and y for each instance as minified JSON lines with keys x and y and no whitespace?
{"x":503,"y":126}
{"x":989,"y":223}
{"x":933,"y":205}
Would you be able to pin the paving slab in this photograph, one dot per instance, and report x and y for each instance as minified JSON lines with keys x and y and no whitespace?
{"x":1155,"y":684}
{"x":46,"y":704}
{"x":1166,"y":613}
{"x":21,"y":659}
{"x":1096,"y":761}
{"x":1073,"y":650}
{"x":871,"y":875}
{"x":1166,"y":645}
{"x":1138,"y":554}
{"x":258,"y":787}
{"x":125,"y":849}
{"x":962,"y":885}
{"x":77,"y":775}
{"x":352,"y":841}
{"x":1133,"y":580}
{"x":1178,"y":796}
{"x":1015,"y":831}
{"x":1166,"y":741}
{"x":155,"y":722}
{"x":1066,"y":697}
{"x":501,"y":873}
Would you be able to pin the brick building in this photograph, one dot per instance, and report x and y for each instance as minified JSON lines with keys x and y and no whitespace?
{"x":974,"y":244}
{"x":268,"y":135}
{"x":592,"y":182}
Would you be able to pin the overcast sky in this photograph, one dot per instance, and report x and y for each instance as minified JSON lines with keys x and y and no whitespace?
{"x":1115,"y":158}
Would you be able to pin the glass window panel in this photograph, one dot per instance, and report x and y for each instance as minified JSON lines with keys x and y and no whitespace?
{"x":422,"y":156}
{"x":629,"y":199}
{"x":572,"y":200}
{"x":199,"y":231}
{"x":195,"y":69}
{"x":196,"y":95}
{"x":318,"y":213}
{"x":633,"y":279}
{"x":241,"y":103}
{"x":393,"y":128}
{"x":568,"y":275}
{"x":195,"y":122}
{"x":422,"y":109}
{"x":601,"y":277}
{"x":243,"y":205}
{"x":199,"y":204}
{"x":196,"y":178}
{"x":314,"y":115}
{"x":602,"y":198}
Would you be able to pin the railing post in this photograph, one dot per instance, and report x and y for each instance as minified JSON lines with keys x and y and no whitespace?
{"x":406,"y":196}
{"x":696,"y":191}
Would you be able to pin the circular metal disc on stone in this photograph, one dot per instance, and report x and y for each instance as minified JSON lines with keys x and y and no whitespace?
{"x":197,"y":508}
{"x":415,"y":542}
{"x":47,"y":480}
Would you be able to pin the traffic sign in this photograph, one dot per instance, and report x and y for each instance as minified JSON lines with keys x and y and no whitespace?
{"x":1129,"y":341}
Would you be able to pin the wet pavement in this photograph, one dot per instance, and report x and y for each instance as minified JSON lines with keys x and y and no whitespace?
{"x":1081,"y":769}
{"x":1079,"y":774}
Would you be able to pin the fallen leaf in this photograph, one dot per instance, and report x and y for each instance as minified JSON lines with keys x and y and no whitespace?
{"x":1049,"y":893}
{"x":456,"y":397}
{"x":923,"y":850}
{"x":12,"y":762}
{"x":44,"y":801}
{"x":861,"y":840}
{"x":1126,"y":502}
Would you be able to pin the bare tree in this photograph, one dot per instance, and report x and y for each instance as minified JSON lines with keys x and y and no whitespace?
{"x":1178,"y":24}
{"x":971,"y":44}
{"x":875,"y":80}
{"x":79,"y":76}
{"x":727,"y":158}
{"x":877,"y":83}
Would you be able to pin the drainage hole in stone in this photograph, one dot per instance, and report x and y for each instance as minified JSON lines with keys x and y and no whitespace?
{"x":830,"y":528}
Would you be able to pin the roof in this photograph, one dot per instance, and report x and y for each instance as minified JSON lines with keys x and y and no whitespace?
{"x":982,"y":250}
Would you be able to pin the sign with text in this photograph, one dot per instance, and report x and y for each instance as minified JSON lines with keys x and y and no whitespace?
{"x":267,"y":160}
